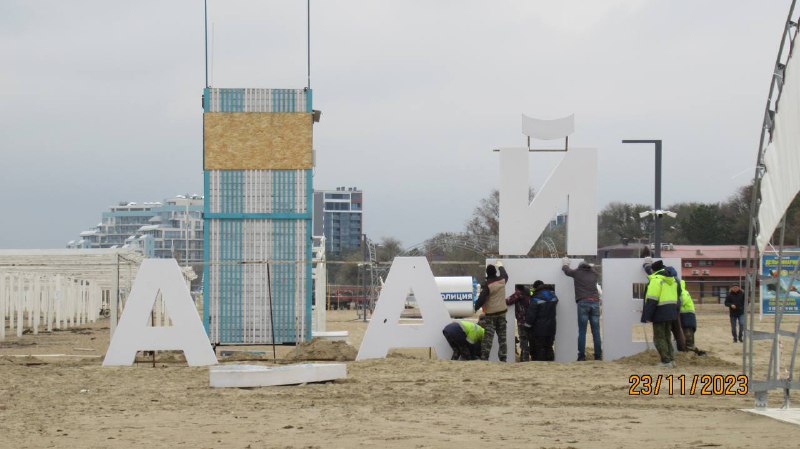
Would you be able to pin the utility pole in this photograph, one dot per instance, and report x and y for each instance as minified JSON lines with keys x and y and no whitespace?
{"x":657,"y":214}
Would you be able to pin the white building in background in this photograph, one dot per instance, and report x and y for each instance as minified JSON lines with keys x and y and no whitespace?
{"x":172,"y":229}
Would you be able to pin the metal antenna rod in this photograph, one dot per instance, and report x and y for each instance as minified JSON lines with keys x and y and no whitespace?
{"x":205,"y":33}
{"x":308,"y":41}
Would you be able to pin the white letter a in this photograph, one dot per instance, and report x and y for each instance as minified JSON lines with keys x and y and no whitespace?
{"x":186,"y":333}
{"x":384,"y":332}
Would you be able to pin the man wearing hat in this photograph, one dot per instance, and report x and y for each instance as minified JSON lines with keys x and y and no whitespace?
{"x":493,"y":299}
{"x":661,"y":308}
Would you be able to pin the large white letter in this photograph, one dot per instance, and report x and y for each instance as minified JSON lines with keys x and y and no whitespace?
{"x":384,"y":331}
{"x":527,"y":271}
{"x":574,"y":178}
{"x":621,"y":311}
{"x":186,"y":333}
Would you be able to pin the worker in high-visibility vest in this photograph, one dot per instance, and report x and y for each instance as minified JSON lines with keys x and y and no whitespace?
{"x":688,"y":320}
{"x":661,"y":308}
{"x":465,"y":338}
{"x":677,"y":329}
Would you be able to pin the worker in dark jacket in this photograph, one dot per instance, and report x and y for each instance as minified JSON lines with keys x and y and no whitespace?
{"x":492,"y":298}
{"x":588,"y":298}
{"x":521,"y":298}
{"x":734,"y":301}
{"x":660,"y":308}
{"x":541,"y":321}
{"x":677,"y":327}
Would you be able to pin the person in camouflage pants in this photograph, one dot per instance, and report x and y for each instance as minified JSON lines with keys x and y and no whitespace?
{"x":495,"y":323}
{"x":492,"y":298}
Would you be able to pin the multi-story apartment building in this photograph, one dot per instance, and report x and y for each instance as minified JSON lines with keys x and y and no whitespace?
{"x":172,"y":229}
{"x":338,"y":215}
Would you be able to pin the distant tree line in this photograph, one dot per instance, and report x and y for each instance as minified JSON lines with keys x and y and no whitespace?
{"x":723,"y":223}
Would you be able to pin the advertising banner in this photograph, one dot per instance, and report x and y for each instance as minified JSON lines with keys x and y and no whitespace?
{"x":769,"y":292}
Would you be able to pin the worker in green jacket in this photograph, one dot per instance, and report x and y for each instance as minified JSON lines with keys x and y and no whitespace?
{"x":465,"y":338}
{"x":661,"y":308}
{"x":688,"y":320}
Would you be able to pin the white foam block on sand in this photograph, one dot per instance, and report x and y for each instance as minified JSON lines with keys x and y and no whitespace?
{"x":790,"y":415}
{"x":331,"y":335}
{"x":239,"y":376}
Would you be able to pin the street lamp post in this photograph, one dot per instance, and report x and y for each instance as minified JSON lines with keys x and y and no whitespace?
{"x":657,"y":217}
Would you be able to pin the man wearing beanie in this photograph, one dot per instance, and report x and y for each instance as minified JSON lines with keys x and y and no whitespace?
{"x":661,"y":308}
{"x":492,"y":298}
{"x":541,"y":320}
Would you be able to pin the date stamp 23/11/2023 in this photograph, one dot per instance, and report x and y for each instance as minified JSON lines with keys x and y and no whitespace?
{"x":688,"y":385}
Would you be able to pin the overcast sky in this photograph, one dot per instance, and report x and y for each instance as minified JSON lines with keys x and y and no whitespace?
{"x":100,"y":100}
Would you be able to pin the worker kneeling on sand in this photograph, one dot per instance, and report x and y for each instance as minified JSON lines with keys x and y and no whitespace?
{"x":465,"y":338}
{"x":661,"y":308}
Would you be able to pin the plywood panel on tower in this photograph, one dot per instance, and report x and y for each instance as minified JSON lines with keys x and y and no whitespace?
{"x":257,"y":141}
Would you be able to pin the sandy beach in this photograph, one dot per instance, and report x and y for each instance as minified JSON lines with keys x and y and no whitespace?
{"x":405,"y":401}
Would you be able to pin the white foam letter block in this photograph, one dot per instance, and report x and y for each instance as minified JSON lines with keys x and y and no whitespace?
{"x":243,"y":376}
{"x":621,"y":311}
{"x":385,"y":332}
{"x":548,"y":129}
{"x":186,"y":333}
{"x":526,"y":271}
{"x":574,"y":179}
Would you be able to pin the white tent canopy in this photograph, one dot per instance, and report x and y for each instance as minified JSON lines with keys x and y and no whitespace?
{"x":93,"y":265}
{"x":781,"y":181}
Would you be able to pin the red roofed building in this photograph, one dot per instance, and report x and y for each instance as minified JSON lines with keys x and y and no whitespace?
{"x":709,"y":270}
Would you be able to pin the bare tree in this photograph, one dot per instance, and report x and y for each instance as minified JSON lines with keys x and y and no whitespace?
{"x":485,"y":221}
{"x":389,"y":248}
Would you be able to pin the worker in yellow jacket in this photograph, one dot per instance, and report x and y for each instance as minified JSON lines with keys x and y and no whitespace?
{"x":688,"y":320}
{"x":465,"y":338}
{"x":661,"y":308}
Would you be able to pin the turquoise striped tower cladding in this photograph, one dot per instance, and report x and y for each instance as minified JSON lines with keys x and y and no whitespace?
{"x":251,"y":217}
